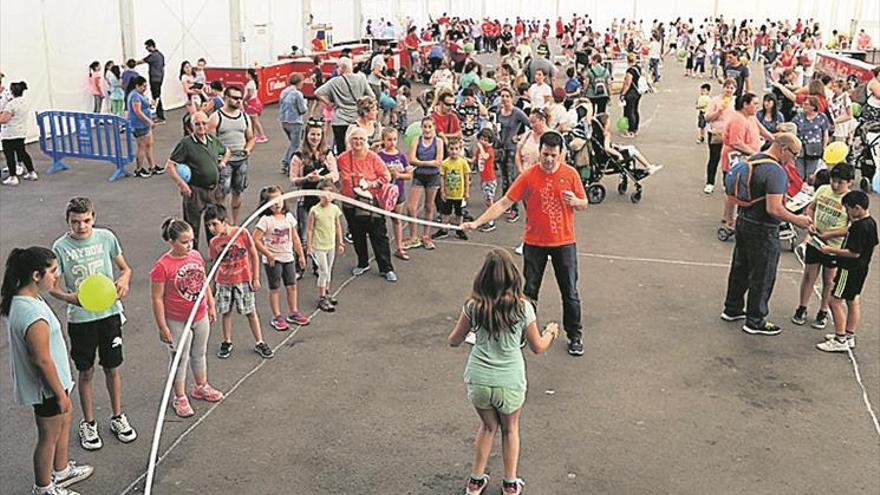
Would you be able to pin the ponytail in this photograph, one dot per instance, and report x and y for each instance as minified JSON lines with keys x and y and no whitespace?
{"x":172,"y":228}
{"x":20,"y":266}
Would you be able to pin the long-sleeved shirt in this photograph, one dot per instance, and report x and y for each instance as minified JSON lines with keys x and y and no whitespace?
{"x":291,"y":106}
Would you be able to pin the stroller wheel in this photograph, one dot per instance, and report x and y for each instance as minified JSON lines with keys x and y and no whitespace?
{"x":636,"y":196}
{"x":622,"y":186}
{"x":595,"y":194}
{"x":723,"y":234}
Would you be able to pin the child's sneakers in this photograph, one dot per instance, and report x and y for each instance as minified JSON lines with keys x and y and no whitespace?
{"x":831,"y":343}
{"x":264,"y":350}
{"x":206,"y":393}
{"x":181,"y":407}
{"x":279,"y":323}
{"x":461,"y":235}
{"x":71,"y":474}
{"x":123,"y":430}
{"x":440,"y":234}
{"x":225,"y":350}
{"x":800,"y":316}
{"x":477,"y":486}
{"x":488,"y":227}
{"x":821,"y":320}
{"x":298,"y":318}
{"x":88,"y":435}
{"x":325,"y":305}
{"x":514,"y":487}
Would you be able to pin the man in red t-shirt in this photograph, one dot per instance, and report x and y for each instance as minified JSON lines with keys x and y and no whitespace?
{"x":445,"y":120}
{"x":552,"y":192}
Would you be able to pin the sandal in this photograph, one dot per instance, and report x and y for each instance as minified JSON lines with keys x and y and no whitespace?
{"x":401,"y":254}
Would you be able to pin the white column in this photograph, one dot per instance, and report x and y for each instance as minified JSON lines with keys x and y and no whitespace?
{"x":235,"y":56}
{"x":127,"y":26}
{"x":304,"y":40}
{"x":358,"y":15}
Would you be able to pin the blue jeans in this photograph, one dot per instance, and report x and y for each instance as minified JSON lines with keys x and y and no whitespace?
{"x":654,"y":67}
{"x":564,"y":259}
{"x":753,"y":270}
{"x":294,"y":134}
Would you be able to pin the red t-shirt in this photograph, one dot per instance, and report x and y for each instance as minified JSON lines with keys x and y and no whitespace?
{"x":411,"y":41}
{"x":446,"y":124}
{"x":486,"y":28}
{"x":823,"y":102}
{"x":183,"y":278}
{"x":550,"y":221}
{"x":518,"y":29}
{"x":235,"y":268}
{"x":740,"y":131}
{"x":487,"y":173}
{"x":352,"y":170}
{"x":560,"y":28}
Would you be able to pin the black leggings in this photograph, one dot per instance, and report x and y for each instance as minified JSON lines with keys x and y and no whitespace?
{"x":599,"y":104}
{"x":714,"y":158}
{"x":15,"y":151}
{"x":339,"y":132}
{"x":631,"y":110}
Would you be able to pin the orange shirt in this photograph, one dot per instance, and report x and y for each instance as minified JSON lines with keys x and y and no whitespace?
{"x":549,"y":221}
{"x":352,"y":170}
{"x":741,"y":131}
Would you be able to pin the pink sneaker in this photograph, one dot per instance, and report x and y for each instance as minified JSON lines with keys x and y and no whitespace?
{"x":299,"y":318}
{"x":263,"y":139}
{"x":181,"y":407}
{"x":515,"y":488}
{"x":477,"y":487}
{"x":206,"y":393}
{"x":279,"y":323}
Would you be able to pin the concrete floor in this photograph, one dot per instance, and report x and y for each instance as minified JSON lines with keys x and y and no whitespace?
{"x":667,"y":399}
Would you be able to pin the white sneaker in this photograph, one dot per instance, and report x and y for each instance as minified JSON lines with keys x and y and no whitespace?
{"x":652,"y":169}
{"x":470,"y":338}
{"x":709,"y":189}
{"x":833,"y":345}
{"x":518,"y":250}
{"x":54,"y":490}
{"x":73,"y":475}
{"x":122,"y":429}
{"x":850,"y":340}
{"x":10,"y":181}
{"x":89,"y":437}
{"x":19,"y":169}
{"x":30,"y":176}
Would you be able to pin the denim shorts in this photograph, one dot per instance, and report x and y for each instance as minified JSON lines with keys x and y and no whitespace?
{"x":234,"y":177}
{"x":505,"y":400}
{"x":281,"y":272}
{"x":426,"y":181}
{"x":139,"y":133}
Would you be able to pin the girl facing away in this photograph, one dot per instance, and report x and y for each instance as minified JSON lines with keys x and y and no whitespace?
{"x":502,"y":318}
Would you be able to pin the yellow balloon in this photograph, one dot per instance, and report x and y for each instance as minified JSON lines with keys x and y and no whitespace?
{"x":97,"y":293}
{"x":835,"y":152}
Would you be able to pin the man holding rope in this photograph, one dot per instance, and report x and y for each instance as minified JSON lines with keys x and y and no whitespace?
{"x":552,"y":192}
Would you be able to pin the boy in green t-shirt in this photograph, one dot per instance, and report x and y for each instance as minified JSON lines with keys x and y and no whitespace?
{"x":85,"y":250}
{"x":454,"y":187}
{"x":830,"y":222}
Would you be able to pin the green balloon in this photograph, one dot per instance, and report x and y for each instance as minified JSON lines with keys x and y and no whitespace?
{"x":97,"y":293}
{"x":413,"y":131}
{"x":856,"y":109}
{"x":622,"y":124}
{"x":487,"y":84}
{"x":468,"y":47}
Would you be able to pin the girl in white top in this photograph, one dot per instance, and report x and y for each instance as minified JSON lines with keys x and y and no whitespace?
{"x":12,"y":133}
{"x":540,"y":93}
{"x":187,"y":80}
{"x":841,"y":111}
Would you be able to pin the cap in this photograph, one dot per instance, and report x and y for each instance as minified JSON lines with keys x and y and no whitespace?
{"x":843,"y":171}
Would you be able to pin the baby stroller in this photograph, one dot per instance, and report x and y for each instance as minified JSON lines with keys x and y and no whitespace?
{"x":577,"y":144}
{"x":865,"y":151}
{"x":602,"y":164}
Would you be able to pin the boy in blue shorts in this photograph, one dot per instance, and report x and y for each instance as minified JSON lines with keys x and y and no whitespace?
{"x":853,"y":260}
{"x":83,"y":251}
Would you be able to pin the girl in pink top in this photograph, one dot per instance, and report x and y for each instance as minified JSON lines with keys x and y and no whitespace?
{"x":176,"y":280}
{"x":95,"y":88}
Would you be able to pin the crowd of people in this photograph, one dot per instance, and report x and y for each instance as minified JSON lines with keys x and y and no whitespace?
{"x":510,"y":119}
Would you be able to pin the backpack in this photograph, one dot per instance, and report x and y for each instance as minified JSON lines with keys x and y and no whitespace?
{"x":642,"y":83}
{"x":738,"y":181}
{"x":600,"y":88}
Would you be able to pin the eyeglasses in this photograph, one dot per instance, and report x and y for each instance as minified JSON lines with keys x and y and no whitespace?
{"x":235,"y":98}
{"x":199,"y":123}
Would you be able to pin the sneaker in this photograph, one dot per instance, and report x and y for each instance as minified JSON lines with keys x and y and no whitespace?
{"x":390,"y":276}
{"x":461,"y":235}
{"x":206,"y":393}
{"x":360,"y":270}
{"x":30,"y":176}
{"x":225,"y":350}
{"x":477,"y":486}
{"x":470,"y":338}
{"x":850,"y":339}
{"x":157,"y":170}
{"x":576,"y":347}
{"x":19,"y":169}
{"x":834,"y":345}
{"x":709,"y":189}
{"x":122,"y":429}
{"x":440,"y":234}
{"x":766,"y":328}
{"x":324,"y":305}
{"x":264,"y":350}
{"x":488,"y":227}
{"x":10,"y":181}
{"x":143,"y":173}
{"x":519,"y":249}
{"x":732,"y":316}
{"x":332,"y":300}
{"x":159,"y":121}
{"x":800,"y":316}
{"x":428,"y":244}
{"x":821,"y":320}
{"x":181,"y":407}
{"x":512,"y":216}
{"x":88,"y":435}
{"x":653,"y":169}
{"x":413,"y":243}
{"x":263,"y":139}
{"x":298,"y":318}
{"x":348,"y":238}
{"x":53,"y":490}
{"x":279,"y":323}
{"x":513,"y":488}
{"x":74,"y":474}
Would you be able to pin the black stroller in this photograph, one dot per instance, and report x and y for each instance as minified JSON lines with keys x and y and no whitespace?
{"x":602,"y":164}
{"x":865,"y":151}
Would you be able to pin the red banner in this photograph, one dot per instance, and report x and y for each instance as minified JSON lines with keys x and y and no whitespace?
{"x":840,"y":67}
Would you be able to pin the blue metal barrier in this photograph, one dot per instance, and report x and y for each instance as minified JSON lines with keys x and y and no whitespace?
{"x":92,"y":136}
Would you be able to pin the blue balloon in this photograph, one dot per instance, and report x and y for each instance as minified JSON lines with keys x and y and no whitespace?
{"x":184,"y":172}
{"x":875,"y":185}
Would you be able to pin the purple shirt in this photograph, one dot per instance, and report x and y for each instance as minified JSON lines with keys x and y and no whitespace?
{"x":396,"y":162}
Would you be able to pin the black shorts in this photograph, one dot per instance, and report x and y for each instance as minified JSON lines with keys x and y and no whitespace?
{"x":49,"y":408}
{"x":848,"y":283}
{"x":447,"y":206}
{"x":426,"y":181}
{"x":281,"y":272}
{"x":815,"y":257}
{"x":104,"y":335}
{"x":701,"y":120}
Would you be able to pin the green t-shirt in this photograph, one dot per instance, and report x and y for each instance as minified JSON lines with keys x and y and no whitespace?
{"x":453,"y":172}
{"x":830,"y":213}
{"x":201,"y":158}
{"x":499,"y":363}
{"x":324,"y":237}
{"x":77,"y":259}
